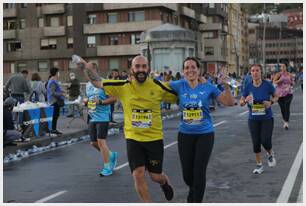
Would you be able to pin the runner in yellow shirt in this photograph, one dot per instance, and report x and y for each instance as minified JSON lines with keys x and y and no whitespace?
{"x":141,"y":99}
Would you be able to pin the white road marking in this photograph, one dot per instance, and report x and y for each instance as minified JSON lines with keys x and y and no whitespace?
{"x":288,"y":185}
{"x":45,"y":199}
{"x":165,"y":147}
{"x":243,"y":113}
{"x":300,"y":197}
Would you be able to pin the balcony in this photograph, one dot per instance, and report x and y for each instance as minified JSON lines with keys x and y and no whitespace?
{"x":112,"y":6}
{"x":54,"y":31}
{"x":7,"y":13}
{"x":210,"y":26}
{"x":120,"y":27}
{"x":188,"y":12}
{"x":9,"y":34}
{"x":118,"y":50}
{"x":53,"y":9}
{"x":203,"y":18}
{"x":216,"y":11}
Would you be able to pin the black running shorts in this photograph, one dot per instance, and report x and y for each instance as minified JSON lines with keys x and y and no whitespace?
{"x":148,"y":154}
{"x":97,"y":130}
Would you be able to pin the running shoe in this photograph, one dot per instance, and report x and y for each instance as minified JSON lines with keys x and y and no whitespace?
{"x":106,"y":171}
{"x":259,"y":169}
{"x":168,"y":191}
{"x":113,"y":159}
{"x":271,"y":160}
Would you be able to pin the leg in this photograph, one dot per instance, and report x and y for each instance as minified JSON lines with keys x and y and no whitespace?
{"x":95,"y":145}
{"x":287,"y":107}
{"x":102,"y":129}
{"x":203,"y":149}
{"x":136,"y":158}
{"x":141,"y":186}
{"x":56,"y":111}
{"x":281,"y":102}
{"x":93,"y":135}
{"x":266,"y":134}
{"x":255,"y":129}
{"x":186,"y":154}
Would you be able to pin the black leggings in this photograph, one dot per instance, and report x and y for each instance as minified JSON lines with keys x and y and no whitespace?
{"x":56,"y":113}
{"x":194,"y":152}
{"x":284,"y":103}
{"x":261,"y":133}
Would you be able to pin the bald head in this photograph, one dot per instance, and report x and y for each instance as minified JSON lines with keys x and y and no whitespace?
{"x":140,"y":68}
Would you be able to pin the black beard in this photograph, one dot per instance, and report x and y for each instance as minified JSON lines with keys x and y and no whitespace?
{"x":139,"y":79}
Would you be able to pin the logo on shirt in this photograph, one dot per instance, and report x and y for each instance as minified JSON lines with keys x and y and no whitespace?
{"x":193,"y":96}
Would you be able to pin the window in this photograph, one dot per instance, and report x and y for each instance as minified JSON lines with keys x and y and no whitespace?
{"x":112,"y":18}
{"x":113,"y":40}
{"x":136,"y":16}
{"x":69,"y":21}
{"x":9,"y":24}
{"x":54,"y":21}
{"x":48,"y":44}
{"x":135,"y":39}
{"x":21,"y":66}
{"x":70,"y":42}
{"x":14,"y":46}
{"x":22,"y":23}
{"x":41,"y":22}
{"x":92,"y":18}
{"x":210,"y":35}
{"x":9,"y":6}
{"x":209,"y":51}
{"x":191,"y":52}
{"x":91,"y":41}
{"x":23,"y":5}
{"x":211,"y":5}
{"x":113,"y":63}
{"x":43,"y":66}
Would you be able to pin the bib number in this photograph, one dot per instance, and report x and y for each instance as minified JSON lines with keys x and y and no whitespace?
{"x":141,"y":118}
{"x":192,"y":115}
{"x":91,"y":105}
{"x":258,"y":109}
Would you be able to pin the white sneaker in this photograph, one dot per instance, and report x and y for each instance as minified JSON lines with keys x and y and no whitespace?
{"x":259,"y":169}
{"x":271,"y":161}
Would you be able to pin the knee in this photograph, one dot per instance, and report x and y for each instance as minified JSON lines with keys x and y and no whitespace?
{"x":155,"y":177}
{"x":139,"y":175}
{"x":93,"y":144}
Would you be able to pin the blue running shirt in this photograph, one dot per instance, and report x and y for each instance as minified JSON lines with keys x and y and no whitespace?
{"x":260,"y":94}
{"x":194,"y":106}
{"x":98,"y":113}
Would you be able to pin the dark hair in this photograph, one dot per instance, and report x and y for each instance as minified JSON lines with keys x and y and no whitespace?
{"x":53,"y":71}
{"x":115,"y":70}
{"x":35,"y":77}
{"x":24,"y":72}
{"x":256,"y":65}
{"x":193,"y":59}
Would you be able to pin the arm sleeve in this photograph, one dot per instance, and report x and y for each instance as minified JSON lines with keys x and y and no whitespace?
{"x":169,"y":95}
{"x":175,"y":85}
{"x":53,"y":92}
{"x":215,"y":91}
{"x":114,"y":87}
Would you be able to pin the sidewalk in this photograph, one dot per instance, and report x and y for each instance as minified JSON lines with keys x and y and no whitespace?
{"x":76,"y":129}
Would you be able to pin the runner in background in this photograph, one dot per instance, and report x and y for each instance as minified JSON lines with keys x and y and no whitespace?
{"x":259,"y":95}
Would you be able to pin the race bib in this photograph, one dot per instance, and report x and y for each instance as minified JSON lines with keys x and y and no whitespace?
{"x":91,"y":105}
{"x":141,"y":118}
{"x":258,"y":109}
{"x":192,"y":115}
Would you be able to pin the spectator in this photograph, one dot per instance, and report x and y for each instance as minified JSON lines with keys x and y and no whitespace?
{"x":124,"y":75}
{"x":39,"y":90}
{"x":160,"y":77}
{"x":9,"y":133}
{"x":74,"y":92}
{"x":55,"y":97}
{"x":178,"y":76}
{"x":18,"y":86}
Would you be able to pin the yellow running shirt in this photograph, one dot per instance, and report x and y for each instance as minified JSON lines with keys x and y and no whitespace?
{"x":141,"y":106}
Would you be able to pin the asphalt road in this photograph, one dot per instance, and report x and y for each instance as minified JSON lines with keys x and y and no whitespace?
{"x":70,"y":174}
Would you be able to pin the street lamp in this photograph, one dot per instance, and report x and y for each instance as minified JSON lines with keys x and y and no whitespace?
{"x":148,"y":40}
{"x":235,"y":47}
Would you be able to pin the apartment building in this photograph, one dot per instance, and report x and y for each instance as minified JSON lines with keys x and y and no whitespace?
{"x":214,"y":36}
{"x":285,"y":46}
{"x":39,"y":36}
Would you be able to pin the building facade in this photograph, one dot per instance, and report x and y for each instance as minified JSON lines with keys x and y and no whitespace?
{"x":40,"y":36}
{"x":280,"y":47}
{"x":214,"y":36}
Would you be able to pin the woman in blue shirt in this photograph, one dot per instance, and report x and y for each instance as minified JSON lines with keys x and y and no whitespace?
{"x":196,"y":132}
{"x":260,"y":94}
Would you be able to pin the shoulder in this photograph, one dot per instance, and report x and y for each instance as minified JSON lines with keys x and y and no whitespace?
{"x":110,"y":82}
